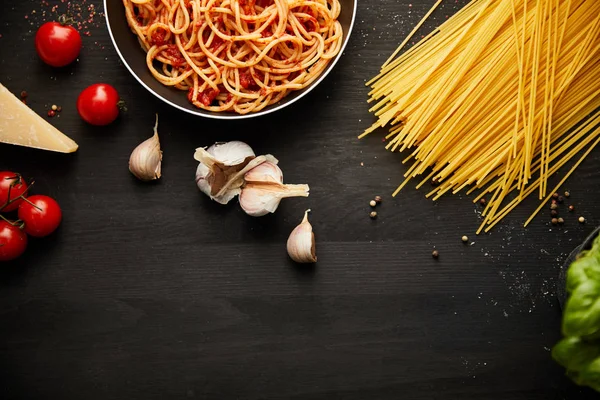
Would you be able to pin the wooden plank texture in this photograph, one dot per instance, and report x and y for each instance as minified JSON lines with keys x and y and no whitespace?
{"x":155,"y":292}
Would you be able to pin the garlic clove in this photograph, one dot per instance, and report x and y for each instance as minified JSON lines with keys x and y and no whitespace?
{"x":259,"y":199}
{"x":146,"y":159}
{"x":264,"y":189}
{"x":201,"y":172}
{"x":265,"y":172}
{"x":301,"y":242}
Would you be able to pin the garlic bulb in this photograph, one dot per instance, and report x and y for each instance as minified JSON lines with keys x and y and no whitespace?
{"x":264,"y":190}
{"x":222,"y":167}
{"x":145,"y":160}
{"x":301,"y":243}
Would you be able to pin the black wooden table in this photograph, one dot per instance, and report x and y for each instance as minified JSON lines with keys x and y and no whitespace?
{"x":155,"y":292}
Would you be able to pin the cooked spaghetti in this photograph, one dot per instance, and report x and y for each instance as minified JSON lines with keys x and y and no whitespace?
{"x":498,"y":98}
{"x":236,"y":55}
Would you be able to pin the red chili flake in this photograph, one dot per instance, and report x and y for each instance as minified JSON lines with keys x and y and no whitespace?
{"x":23,"y":94}
{"x":51,"y":113}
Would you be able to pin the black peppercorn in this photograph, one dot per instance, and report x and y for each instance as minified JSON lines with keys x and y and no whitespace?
{"x":435,"y":254}
{"x":554,"y":221}
{"x":554,"y":213}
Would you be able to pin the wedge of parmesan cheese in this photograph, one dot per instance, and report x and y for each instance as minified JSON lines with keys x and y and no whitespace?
{"x":21,"y":126}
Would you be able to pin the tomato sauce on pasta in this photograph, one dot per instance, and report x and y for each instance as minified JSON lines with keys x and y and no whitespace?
{"x":236,"y":55}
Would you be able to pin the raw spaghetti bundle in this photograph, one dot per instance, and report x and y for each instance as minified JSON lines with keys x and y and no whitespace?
{"x":498,"y":98}
{"x":236,"y":55}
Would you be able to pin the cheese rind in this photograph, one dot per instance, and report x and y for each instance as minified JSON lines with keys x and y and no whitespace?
{"x":21,"y":126}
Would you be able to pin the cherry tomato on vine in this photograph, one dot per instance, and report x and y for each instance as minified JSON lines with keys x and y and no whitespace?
{"x":13,"y":241}
{"x":57,"y":44}
{"x":10,"y":181}
{"x":41,"y":215}
{"x":99,"y":104}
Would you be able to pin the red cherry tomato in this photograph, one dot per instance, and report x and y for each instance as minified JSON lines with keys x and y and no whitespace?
{"x":98,"y":104}
{"x":17,"y":186}
{"x":41,"y":215}
{"x":56,"y":44}
{"x":13,"y":241}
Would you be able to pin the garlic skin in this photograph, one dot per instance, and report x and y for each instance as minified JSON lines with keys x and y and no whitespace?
{"x":222,"y":167}
{"x":264,"y":190}
{"x":301,"y":243}
{"x":146,"y":159}
{"x":231,"y":153}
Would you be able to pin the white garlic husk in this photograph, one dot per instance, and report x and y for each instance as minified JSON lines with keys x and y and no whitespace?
{"x":264,"y":189}
{"x":222,"y":167}
{"x":146,"y":159}
{"x":301,"y":243}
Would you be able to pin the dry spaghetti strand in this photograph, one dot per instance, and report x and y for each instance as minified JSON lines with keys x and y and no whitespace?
{"x":498,"y":99}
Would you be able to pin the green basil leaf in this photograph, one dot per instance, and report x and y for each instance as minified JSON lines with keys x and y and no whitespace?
{"x":582,"y":312}
{"x":574,"y":354}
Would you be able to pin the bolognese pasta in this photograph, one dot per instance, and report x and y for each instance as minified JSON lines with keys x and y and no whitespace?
{"x":236,"y":55}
